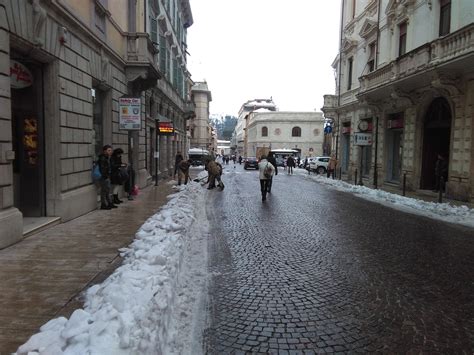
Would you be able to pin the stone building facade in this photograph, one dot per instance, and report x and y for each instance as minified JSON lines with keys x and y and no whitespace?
{"x":405,"y":75}
{"x":63,"y":67}
{"x":199,"y":126}
{"x":301,"y":131}
{"x":239,"y":134}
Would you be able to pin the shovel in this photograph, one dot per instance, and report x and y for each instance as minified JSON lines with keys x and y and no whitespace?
{"x":199,"y":180}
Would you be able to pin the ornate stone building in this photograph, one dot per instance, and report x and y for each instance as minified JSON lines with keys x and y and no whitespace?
{"x":301,"y":131}
{"x":64,"y":65}
{"x":202,"y":135}
{"x":405,"y":75}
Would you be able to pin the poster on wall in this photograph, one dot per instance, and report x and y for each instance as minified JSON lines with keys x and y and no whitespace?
{"x":30,"y":140}
{"x":130,"y":113}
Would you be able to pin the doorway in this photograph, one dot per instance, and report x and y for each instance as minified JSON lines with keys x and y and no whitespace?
{"x":436,"y":140}
{"x":28,"y":138}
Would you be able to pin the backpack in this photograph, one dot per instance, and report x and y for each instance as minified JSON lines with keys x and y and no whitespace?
{"x":96,"y":175}
{"x":267,"y":172}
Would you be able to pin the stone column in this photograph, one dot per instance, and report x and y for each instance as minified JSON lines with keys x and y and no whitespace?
{"x":11,"y":219}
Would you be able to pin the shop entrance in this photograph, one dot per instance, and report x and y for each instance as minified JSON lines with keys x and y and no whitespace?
{"x":28,"y":137}
{"x":436,"y":140}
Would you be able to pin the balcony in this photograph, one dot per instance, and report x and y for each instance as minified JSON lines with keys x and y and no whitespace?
{"x":142,"y":61}
{"x":429,"y":56}
{"x":330,"y":105}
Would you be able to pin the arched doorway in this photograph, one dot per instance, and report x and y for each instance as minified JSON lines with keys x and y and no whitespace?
{"x":436,"y":139}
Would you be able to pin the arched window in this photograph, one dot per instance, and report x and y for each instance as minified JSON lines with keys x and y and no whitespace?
{"x":264,"y":131}
{"x":296,"y":132}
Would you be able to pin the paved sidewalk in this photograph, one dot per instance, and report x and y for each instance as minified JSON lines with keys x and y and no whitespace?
{"x":42,"y":277}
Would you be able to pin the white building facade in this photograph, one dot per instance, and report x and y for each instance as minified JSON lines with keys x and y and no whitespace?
{"x":405,"y":75}
{"x":239,"y":134}
{"x":301,"y":131}
{"x":199,"y":127}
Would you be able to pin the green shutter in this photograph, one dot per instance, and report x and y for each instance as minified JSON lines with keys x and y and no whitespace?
{"x":154,"y":30}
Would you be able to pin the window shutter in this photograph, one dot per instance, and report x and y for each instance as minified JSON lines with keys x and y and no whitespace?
{"x":163,"y":54}
{"x":154,"y":30}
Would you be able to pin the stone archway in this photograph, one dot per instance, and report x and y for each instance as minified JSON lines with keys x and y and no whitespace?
{"x":436,"y":139}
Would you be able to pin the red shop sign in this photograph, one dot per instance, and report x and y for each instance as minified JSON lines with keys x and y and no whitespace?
{"x":397,"y":123}
{"x":346,"y":130}
{"x":20,"y":76}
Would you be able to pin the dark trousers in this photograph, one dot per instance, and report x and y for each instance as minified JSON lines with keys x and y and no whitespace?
{"x":269,"y":184}
{"x":290,"y":170}
{"x":264,"y":187}
{"x":330,"y":173}
{"x":105,"y":192}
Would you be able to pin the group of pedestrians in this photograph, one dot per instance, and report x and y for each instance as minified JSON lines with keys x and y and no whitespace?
{"x":113,"y":175}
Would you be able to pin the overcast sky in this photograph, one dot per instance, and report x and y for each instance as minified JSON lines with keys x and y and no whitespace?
{"x":248,"y":49}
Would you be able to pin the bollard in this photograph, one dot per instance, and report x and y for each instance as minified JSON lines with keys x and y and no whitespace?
{"x":404,"y":183}
{"x":440,"y":192}
{"x":340,"y":173}
{"x":355,"y":180}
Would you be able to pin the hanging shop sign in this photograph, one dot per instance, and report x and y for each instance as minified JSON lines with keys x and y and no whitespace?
{"x":396,"y":123}
{"x":20,"y":75}
{"x":165,"y":128}
{"x":346,"y":129}
{"x":130,"y":113}
{"x":363,"y":138}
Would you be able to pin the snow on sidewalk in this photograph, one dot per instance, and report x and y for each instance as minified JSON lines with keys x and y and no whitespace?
{"x":462,"y":215}
{"x":151,"y":298}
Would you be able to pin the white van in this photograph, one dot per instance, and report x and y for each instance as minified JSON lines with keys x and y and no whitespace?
{"x":319,"y":164}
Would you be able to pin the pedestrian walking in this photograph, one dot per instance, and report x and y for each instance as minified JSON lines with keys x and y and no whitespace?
{"x":234,"y":159}
{"x":183,"y":170}
{"x":290,"y":162}
{"x":240,"y":160}
{"x":441,"y":171}
{"x":177,"y":159}
{"x":105,"y":172}
{"x":332,"y":165}
{"x":118,"y":173}
{"x":266,"y":171}
{"x":271,"y":159}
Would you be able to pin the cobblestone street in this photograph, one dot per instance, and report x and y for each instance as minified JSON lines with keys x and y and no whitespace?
{"x":314,"y":270}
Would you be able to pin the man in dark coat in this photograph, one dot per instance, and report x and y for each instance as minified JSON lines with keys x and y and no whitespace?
{"x":177,"y":159}
{"x":105,"y":168}
{"x":290,"y":163}
{"x":271,"y":159}
{"x":117,"y":176}
{"x":441,"y":171}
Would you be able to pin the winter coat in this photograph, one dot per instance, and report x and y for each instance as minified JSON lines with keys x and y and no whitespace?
{"x":332,"y":163}
{"x":441,"y":168}
{"x":177,"y":159}
{"x":290,"y":162}
{"x":115,"y":166}
{"x":214,"y":168}
{"x":184,"y":165}
{"x":273,"y":161}
{"x":264,"y":163}
{"x":105,"y":166}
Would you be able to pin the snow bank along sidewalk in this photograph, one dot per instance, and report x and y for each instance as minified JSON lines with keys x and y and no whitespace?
{"x":442,"y":211}
{"x":134,"y":310}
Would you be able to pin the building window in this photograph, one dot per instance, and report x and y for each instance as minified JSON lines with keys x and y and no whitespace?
{"x":296,"y":132}
{"x":371,"y":61}
{"x":445,"y":17}
{"x":264,"y":132}
{"x":402,"y":39}
{"x":349,"y":73}
{"x":100,"y":19}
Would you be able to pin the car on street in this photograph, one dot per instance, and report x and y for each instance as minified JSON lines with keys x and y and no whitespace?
{"x":251,"y":163}
{"x":319,"y":164}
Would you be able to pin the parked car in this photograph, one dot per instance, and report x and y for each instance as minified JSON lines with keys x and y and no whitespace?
{"x":319,"y":164}
{"x":305,"y":162}
{"x":251,"y":162}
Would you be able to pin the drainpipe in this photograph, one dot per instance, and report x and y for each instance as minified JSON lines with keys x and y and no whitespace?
{"x":377,"y":117}
{"x":339,"y":79}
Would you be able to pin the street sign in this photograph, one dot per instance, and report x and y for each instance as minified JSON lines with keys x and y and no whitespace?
{"x":165,"y":128}
{"x":130,"y":113}
{"x":363,"y":138}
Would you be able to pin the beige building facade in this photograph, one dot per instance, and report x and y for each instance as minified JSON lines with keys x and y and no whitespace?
{"x":300,"y":131}
{"x":405,"y":76}
{"x":64,"y":65}
{"x":202,"y":133}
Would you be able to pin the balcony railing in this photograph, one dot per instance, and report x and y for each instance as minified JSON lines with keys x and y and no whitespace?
{"x":429,"y":55}
{"x":141,"y":49}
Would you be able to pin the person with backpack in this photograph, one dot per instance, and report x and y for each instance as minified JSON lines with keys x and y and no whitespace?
{"x":118,"y":173}
{"x":105,"y":168}
{"x":266,"y":171}
{"x":271,"y":159}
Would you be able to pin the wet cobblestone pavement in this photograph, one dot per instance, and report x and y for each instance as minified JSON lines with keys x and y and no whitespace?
{"x":313,"y":271}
